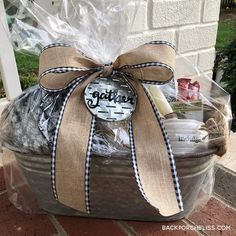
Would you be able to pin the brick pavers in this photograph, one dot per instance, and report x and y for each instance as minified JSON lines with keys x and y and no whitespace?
{"x":2,"y":181}
{"x":216,"y":215}
{"x":14,"y":222}
{"x":216,"y":218}
{"x":82,"y":226}
{"x":153,"y":229}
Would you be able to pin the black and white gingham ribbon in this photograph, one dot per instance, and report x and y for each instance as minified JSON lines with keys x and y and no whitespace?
{"x":67,"y":45}
{"x":88,"y":164}
{"x":163,"y":42}
{"x":73,"y":85}
{"x":76,"y":82}
{"x":170,"y":153}
{"x":134,"y":161}
{"x":54,"y":145}
{"x":53,"y":45}
{"x":61,"y":70}
{"x":156,"y":82}
{"x":147,"y":64}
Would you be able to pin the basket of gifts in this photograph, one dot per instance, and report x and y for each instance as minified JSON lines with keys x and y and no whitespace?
{"x":104,"y":133}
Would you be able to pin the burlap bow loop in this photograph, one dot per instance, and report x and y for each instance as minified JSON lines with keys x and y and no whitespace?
{"x":151,"y":63}
{"x":63,"y":67}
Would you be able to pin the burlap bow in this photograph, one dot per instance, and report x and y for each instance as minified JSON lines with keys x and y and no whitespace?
{"x":63,"y":67}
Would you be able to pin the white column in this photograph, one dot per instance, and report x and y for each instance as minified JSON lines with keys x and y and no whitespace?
{"x":8,"y":66}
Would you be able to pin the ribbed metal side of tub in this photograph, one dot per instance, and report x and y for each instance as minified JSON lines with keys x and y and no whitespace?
{"x":113,"y":189}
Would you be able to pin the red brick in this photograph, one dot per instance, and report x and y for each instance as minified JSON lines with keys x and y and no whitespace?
{"x":215,"y":214}
{"x":14,"y":222}
{"x":2,"y":181}
{"x":76,"y":226}
{"x":155,"y":229}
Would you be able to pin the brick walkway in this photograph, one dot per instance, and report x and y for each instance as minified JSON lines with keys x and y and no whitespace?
{"x":13,"y":222}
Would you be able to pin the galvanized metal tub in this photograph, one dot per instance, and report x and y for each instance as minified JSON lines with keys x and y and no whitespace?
{"x":114,"y":192}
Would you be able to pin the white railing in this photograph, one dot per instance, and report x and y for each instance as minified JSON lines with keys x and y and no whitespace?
{"x":8,"y":66}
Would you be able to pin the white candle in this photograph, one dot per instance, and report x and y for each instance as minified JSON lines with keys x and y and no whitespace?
{"x":160,"y":100}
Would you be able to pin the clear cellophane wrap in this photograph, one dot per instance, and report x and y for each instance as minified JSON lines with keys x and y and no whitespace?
{"x":195,"y":111}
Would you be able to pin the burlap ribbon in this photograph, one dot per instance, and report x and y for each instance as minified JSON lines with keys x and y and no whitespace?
{"x":63,"y":68}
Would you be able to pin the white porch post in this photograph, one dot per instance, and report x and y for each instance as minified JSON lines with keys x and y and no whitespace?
{"x":8,"y":66}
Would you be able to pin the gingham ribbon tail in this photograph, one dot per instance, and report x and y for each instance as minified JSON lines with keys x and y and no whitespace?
{"x":63,"y":68}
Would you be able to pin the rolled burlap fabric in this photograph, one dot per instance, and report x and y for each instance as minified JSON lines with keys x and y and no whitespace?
{"x":217,"y":124}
